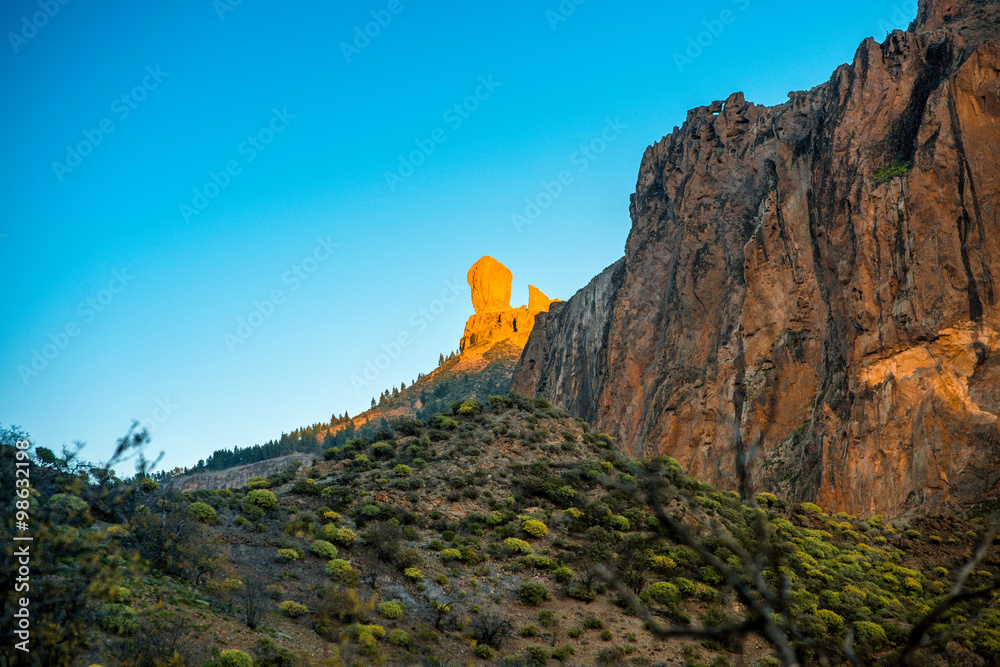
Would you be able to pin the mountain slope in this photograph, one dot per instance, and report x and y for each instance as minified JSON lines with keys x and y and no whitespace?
{"x":813,"y":288}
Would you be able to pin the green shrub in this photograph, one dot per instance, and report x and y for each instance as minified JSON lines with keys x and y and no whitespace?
{"x":203,"y":512}
{"x":470,"y":407}
{"x":563,"y":574}
{"x":529,"y":631}
{"x":663,"y":593}
{"x":574,"y":632}
{"x":563,"y":653}
{"x":391,"y":610}
{"x":535,"y":528}
{"x":343,"y":572}
{"x":258,"y":482}
{"x":253,"y":512}
{"x":537,"y":655}
{"x":833,"y":621}
{"x":287,"y":555}
{"x":263,"y":499}
{"x":121,"y":595}
{"x":293,"y":609}
{"x":533,"y":594}
{"x":898,"y":169}
{"x":485,"y":652}
{"x":234,"y":658}
{"x":451,"y":554}
{"x":710,"y":576}
{"x":399,"y":638}
{"x":811,"y":508}
{"x":118,"y":619}
{"x":323,"y":549}
{"x":766,"y":499}
{"x":518,"y":546}
{"x":618,"y":522}
{"x":607,"y":635}
{"x":593,"y":623}
{"x":268,"y":654}
{"x":342,"y":536}
{"x":870,"y":635}
{"x":402,"y":470}
{"x":413,"y":573}
{"x":241,"y":522}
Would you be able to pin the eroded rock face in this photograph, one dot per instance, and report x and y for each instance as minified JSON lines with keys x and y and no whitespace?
{"x":780,"y":300}
{"x":490,"y":282}
{"x":495,"y":321}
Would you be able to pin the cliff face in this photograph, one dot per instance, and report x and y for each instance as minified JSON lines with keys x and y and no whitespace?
{"x":789,"y":299}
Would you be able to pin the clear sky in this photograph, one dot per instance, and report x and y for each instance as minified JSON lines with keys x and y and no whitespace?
{"x":171,"y":167}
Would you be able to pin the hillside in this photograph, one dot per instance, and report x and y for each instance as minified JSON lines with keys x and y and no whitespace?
{"x":481,"y":536}
{"x":488,"y":352}
{"x":810,"y":290}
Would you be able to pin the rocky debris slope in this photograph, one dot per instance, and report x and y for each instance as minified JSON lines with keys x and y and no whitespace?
{"x":812,"y":288}
{"x":234,"y":478}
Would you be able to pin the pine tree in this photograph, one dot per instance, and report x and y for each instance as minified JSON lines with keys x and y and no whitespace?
{"x":440,"y":359}
{"x":402,"y":386}
{"x":373,"y":401}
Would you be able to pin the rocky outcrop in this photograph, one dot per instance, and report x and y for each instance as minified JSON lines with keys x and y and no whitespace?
{"x":490,"y":282}
{"x":234,"y":478}
{"x":812,"y":289}
{"x":495,"y":321}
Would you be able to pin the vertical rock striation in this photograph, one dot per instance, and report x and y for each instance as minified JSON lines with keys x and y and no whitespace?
{"x":812,"y":286}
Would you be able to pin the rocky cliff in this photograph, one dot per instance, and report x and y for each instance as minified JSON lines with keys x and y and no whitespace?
{"x":236,"y":477}
{"x":812,"y":289}
{"x":495,"y":321}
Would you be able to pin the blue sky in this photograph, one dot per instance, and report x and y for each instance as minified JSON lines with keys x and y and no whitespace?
{"x":172,"y":168}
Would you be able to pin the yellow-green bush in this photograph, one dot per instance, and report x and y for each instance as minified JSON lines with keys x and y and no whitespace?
{"x":234,"y":658}
{"x":323,"y":549}
{"x":391,"y":610}
{"x":518,"y":546}
{"x":262,"y":498}
{"x":663,"y":593}
{"x":399,"y":638}
{"x":286,"y":555}
{"x":203,"y":512}
{"x":343,"y":572}
{"x":535,"y":528}
{"x":293,"y":609}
